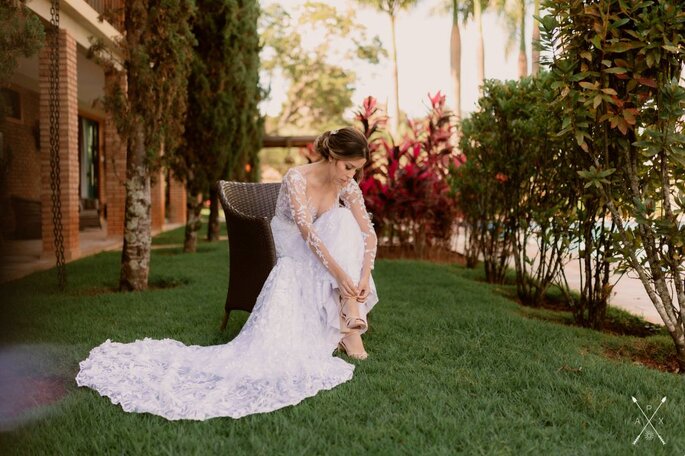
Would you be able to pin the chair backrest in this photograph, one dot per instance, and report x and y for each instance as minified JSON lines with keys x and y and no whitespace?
{"x":249,"y":198}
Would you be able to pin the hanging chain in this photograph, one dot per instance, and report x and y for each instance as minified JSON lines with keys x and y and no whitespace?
{"x":55,"y":183}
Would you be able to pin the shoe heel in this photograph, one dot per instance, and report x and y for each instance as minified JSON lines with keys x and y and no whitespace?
{"x":360,"y":356}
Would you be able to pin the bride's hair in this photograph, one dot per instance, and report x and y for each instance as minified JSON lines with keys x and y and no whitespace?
{"x":347,"y":143}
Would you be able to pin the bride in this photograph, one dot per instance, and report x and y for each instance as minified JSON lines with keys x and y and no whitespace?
{"x":315,"y":299}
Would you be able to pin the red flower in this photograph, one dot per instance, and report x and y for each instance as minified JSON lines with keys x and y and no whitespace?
{"x":369,"y":103}
{"x":437,"y":100}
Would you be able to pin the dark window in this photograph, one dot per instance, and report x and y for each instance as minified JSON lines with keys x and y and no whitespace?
{"x":89,"y":153}
{"x":12,"y":103}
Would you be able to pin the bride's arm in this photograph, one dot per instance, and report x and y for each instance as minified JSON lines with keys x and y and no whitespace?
{"x":354,"y":200}
{"x":296,"y":187}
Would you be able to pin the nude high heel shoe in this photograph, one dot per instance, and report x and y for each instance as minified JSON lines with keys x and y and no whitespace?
{"x":343,"y":347}
{"x":350,"y":314}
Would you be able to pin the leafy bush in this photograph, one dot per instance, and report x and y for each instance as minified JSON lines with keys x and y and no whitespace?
{"x":520,"y":196}
{"x":512,"y":189}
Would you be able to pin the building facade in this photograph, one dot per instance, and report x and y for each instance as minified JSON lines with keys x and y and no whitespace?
{"x":92,"y":156}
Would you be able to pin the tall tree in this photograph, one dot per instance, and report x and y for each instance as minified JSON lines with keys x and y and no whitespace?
{"x":464,"y":11}
{"x":392,"y":9}
{"x":514,"y":12}
{"x":523,"y":58}
{"x":474,"y":9}
{"x":223,"y":93}
{"x":455,"y":60}
{"x":149,"y":111}
{"x":535,"y":41}
{"x":319,"y":88}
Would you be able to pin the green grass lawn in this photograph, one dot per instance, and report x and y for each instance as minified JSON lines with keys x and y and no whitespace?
{"x":454,"y":368}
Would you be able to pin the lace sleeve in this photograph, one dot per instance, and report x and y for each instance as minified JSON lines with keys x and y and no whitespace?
{"x":353,"y":199}
{"x":297,"y":198}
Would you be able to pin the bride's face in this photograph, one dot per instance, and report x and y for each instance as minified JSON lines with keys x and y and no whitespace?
{"x":344,"y":170}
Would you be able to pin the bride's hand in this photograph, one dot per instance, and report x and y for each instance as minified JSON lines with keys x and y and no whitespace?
{"x":346,"y":285}
{"x":363,"y":288}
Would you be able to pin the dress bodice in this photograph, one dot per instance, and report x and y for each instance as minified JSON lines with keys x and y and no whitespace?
{"x":294,"y":206}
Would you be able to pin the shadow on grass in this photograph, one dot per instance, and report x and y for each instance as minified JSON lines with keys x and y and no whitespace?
{"x":154,"y":283}
{"x":176,"y":249}
{"x":637,"y":341}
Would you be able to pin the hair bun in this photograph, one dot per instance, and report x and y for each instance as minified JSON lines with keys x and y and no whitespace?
{"x":321,"y":144}
{"x":345,"y":143}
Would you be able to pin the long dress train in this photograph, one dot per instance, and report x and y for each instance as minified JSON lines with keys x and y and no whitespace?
{"x":283,"y":353}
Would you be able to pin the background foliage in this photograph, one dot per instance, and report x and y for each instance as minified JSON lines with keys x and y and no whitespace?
{"x":405,"y":185}
{"x":320,"y":86}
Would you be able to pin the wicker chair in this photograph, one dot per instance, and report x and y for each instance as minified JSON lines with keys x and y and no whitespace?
{"x":249,"y":208}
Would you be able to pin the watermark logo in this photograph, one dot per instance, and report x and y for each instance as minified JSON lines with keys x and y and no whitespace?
{"x":648,"y":430}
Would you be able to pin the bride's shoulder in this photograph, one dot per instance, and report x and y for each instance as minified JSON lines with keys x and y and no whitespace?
{"x":301,"y":171}
{"x":295,"y":175}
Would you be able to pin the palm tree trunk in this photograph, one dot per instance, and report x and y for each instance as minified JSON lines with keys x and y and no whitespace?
{"x":395,"y":75}
{"x":455,"y":59}
{"x":535,"y":41}
{"x":480,"y":47}
{"x":135,"y":255}
{"x":523,"y":59}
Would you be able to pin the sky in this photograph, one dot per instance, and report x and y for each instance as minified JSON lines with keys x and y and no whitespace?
{"x":423,"y":48}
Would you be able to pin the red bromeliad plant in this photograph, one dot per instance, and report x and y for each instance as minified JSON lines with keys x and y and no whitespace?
{"x":405,"y":185}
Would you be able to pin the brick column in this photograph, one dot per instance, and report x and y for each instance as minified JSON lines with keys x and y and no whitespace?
{"x":68,"y":147}
{"x":158,"y":193}
{"x":177,"y":201}
{"x":115,"y":168}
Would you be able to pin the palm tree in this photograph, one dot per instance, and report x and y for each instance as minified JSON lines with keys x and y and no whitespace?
{"x":464,"y":11}
{"x":523,"y":58}
{"x":392,"y":8}
{"x":455,"y":59}
{"x":457,"y":10}
{"x":514,"y":12}
{"x":535,"y":40}
{"x":475,"y":8}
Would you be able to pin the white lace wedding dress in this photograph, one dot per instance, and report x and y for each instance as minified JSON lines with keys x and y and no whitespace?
{"x":283,"y":353}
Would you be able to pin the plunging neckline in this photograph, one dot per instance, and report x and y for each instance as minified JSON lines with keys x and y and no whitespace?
{"x":316,"y":216}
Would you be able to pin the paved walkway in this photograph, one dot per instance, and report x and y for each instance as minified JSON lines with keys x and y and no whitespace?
{"x":628,"y":293}
{"x":21,"y":258}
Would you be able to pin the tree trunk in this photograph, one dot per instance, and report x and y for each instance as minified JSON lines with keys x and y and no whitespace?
{"x":652,"y":277}
{"x":455,"y":60}
{"x":472,"y":247}
{"x":213,"y":227}
{"x":135,"y":256}
{"x":595,"y":269}
{"x":193,"y":222}
{"x":535,"y":42}
{"x":480,"y":47}
{"x":395,"y":76}
{"x":523,"y":59}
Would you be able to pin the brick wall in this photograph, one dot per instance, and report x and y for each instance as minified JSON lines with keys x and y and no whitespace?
{"x":19,"y":138}
{"x":177,"y":200}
